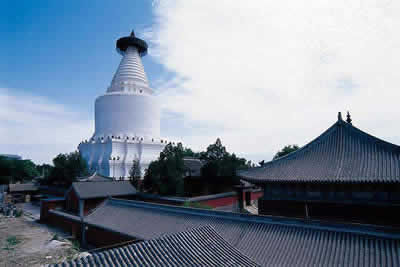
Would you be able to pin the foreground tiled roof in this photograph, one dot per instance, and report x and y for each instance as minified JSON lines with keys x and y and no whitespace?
{"x":266,"y":240}
{"x":342,"y":153}
{"x":22,"y":187}
{"x":197,"y":247}
{"x":87,"y":190}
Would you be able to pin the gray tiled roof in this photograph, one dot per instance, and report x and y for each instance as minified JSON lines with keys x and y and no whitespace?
{"x":22,"y":187}
{"x":87,"y":190}
{"x":266,"y":240}
{"x":197,"y":247}
{"x":343,"y":153}
{"x":95,"y":177}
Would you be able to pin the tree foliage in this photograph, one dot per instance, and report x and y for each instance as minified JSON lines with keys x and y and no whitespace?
{"x":67,"y":167}
{"x":44,"y":169}
{"x":15,"y":170}
{"x":165,"y":175}
{"x":189,"y":153}
{"x":286,"y":150}
{"x":220,"y":163}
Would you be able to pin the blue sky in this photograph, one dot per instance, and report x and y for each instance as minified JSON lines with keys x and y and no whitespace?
{"x":258,"y":74}
{"x":65,"y":50}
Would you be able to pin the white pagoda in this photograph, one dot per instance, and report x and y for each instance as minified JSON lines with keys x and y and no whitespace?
{"x":127,"y":118}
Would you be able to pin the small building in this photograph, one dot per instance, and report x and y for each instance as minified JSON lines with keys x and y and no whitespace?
{"x":344,"y":174}
{"x":82,"y":197}
{"x":22,"y":192}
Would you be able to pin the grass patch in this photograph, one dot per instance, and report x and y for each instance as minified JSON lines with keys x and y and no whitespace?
{"x":188,"y":204}
{"x":76,"y":245}
{"x":19,"y":213}
{"x":55,"y":237}
{"x":11,"y":242}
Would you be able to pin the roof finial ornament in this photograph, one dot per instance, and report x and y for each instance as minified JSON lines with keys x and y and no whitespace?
{"x":133,"y":33}
{"x":348,"y":120}
{"x":339,"y":116}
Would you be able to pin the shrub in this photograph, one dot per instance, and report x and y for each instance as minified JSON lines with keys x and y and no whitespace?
{"x":12,"y":241}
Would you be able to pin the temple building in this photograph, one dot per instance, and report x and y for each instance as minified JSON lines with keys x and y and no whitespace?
{"x":127,"y":118}
{"x":344,"y":174}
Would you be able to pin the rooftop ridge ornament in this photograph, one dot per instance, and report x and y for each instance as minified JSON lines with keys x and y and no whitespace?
{"x":339,"y":116}
{"x":348,"y":119}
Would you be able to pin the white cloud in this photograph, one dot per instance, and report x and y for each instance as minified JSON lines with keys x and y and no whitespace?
{"x":37,"y":128}
{"x":262,"y":74}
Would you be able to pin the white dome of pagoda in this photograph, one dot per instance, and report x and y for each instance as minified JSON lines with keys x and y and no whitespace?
{"x":127,"y":117}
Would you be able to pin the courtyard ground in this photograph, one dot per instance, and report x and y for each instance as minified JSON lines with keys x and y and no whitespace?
{"x":25,"y":242}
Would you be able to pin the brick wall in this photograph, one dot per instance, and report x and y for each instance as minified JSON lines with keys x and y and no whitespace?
{"x":91,"y":204}
{"x":100,"y":238}
{"x":46,"y":205}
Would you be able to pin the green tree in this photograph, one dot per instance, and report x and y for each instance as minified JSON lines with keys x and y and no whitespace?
{"x":215,"y":151}
{"x":220,"y":163}
{"x":135,"y":173}
{"x":187,"y":152}
{"x":286,"y":150}
{"x":15,"y":170}
{"x":165,"y":175}
{"x":67,"y":167}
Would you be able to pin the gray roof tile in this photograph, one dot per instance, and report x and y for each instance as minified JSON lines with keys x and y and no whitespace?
{"x":87,"y":190}
{"x":197,"y":247}
{"x":23,"y":187}
{"x":266,"y":240}
{"x":343,"y":153}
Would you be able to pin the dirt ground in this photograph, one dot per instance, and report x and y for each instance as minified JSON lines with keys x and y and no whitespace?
{"x":24,"y":242}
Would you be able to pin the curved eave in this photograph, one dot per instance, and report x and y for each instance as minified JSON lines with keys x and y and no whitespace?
{"x":266,"y":173}
{"x":124,"y":42}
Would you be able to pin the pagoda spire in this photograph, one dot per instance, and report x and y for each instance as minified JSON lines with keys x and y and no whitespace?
{"x":130,"y":76}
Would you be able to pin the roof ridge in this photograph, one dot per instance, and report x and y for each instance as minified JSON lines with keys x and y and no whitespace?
{"x":270,"y":220}
{"x":326,"y":132}
{"x":361,"y":132}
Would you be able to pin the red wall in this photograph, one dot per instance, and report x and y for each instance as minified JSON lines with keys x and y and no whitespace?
{"x":72,"y":202}
{"x":214,"y":203}
{"x":225,"y":201}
